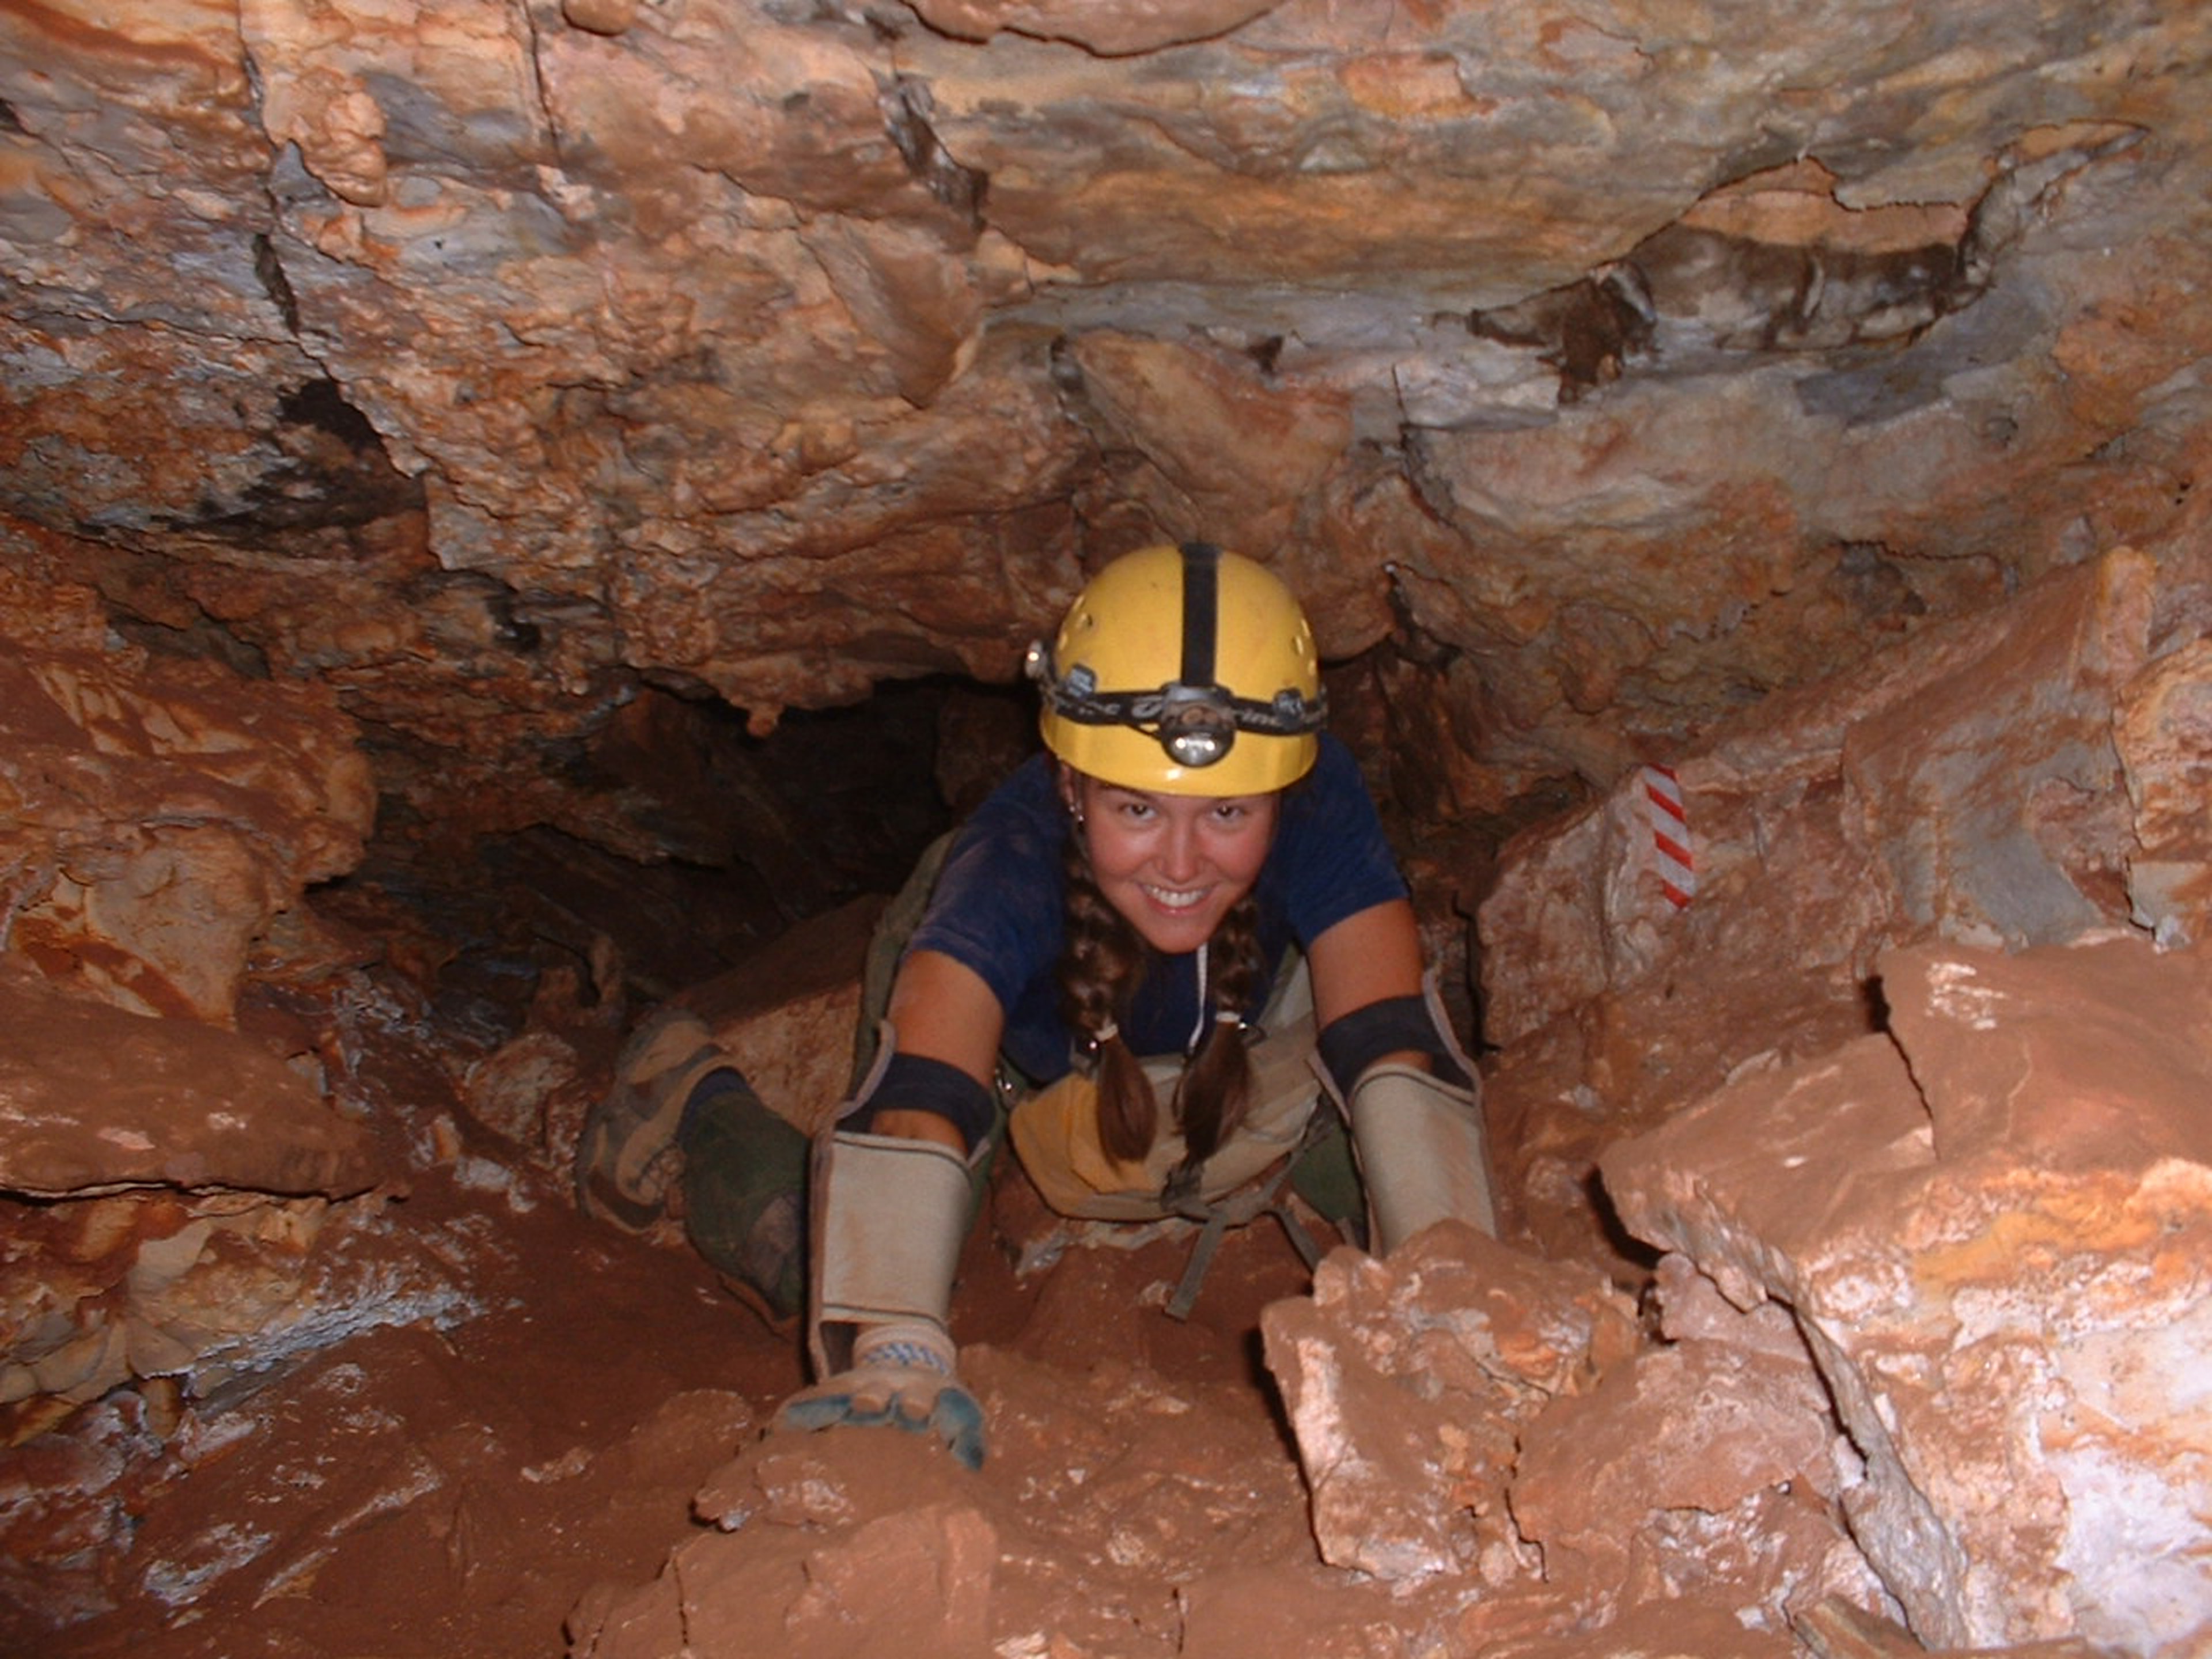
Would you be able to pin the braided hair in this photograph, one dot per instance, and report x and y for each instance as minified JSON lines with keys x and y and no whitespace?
{"x":1102,"y":966}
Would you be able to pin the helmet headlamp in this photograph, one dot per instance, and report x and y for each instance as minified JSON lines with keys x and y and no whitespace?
{"x":1197,"y":724}
{"x":1141,"y":684}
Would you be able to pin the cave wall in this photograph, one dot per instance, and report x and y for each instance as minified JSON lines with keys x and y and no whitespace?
{"x":1635,"y":361}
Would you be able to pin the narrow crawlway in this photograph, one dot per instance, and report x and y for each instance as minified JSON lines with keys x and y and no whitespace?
{"x":417,"y":1490}
{"x":413,"y":1491}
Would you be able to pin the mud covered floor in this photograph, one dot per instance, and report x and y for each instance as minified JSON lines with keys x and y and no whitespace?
{"x":554,"y":1468}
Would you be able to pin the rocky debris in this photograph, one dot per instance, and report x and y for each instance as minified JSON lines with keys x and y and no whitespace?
{"x":1705,"y":1472}
{"x":1923,"y":1355}
{"x":183,"y":1160}
{"x":67,"y":1497}
{"x":1490,"y":1433}
{"x":1493,"y":1459}
{"x":785,"y":1017}
{"x":1990,"y":1226}
{"x":1110,"y":1499}
{"x":443,"y":1485}
{"x":1970,"y":784}
{"x":1408,"y":1383}
{"x":138,"y":1322}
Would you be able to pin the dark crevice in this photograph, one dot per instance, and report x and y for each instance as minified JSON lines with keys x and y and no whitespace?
{"x":321,"y":405}
{"x":332,"y":472}
{"x":202,"y":638}
{"x":269,"y":269}
{"x":907,"y":110}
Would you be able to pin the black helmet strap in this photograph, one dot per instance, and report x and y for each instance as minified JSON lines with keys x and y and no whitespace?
{"x":1201,"y":612}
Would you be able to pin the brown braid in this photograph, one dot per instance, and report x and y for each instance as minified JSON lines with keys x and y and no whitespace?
{"x":1100,"y":967}
{"x":1215,"y":1090}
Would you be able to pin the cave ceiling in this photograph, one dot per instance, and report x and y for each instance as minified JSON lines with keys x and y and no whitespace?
{"x":1619,"y":362}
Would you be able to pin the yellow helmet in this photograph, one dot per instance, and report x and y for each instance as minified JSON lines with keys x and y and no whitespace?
{"x":1183,"y":670}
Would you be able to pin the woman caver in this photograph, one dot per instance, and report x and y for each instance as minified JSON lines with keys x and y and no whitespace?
{"x":1160,"y":940}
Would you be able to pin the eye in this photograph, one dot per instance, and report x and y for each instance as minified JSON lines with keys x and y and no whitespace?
{"x":1135,"y":811}
{"x":1231,"y":812}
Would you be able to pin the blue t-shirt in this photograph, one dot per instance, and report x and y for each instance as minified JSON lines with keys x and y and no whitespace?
{"x":999,"y":901}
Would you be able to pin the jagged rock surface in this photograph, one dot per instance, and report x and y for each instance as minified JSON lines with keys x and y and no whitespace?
{"x":512,"y":413}
{"x":1992,"y":1234}
{"x":1636,"y":361}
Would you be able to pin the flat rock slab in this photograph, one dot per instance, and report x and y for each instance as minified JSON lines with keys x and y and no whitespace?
{"x":93,"y":1099}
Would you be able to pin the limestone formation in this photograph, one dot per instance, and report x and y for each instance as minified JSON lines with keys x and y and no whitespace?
{"x":457,"y":462}
{"x":1641,"y":361}
{"x":1991,"y":1238}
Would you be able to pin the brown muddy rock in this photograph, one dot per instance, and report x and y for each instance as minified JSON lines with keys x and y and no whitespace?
{"x":788,"y":1014}
{"x":205,"y":1290}
{"x":1110,"y":1499}
{"x":160,"y":814}
{"x":1405,"y":1382}
{"x":95,"y":1100}
{"x":1995,"y":1258}
{"x":449,"y":1481}
{"x":488,"y":368}
{"x":1481,"y":1430}
{"x":534,"y":1092}
{"x":1701,"y":1470}
{"x":131,"y":1322}
{"x":1967,"y":783}
{"x":65,"y":1498}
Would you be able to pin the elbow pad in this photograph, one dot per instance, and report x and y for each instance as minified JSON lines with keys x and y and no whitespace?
{"x":911,"y":1083}
{"x":1353,"y":1043}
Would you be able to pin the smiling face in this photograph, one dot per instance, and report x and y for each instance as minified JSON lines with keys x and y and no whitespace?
{"x":1173,"y":865}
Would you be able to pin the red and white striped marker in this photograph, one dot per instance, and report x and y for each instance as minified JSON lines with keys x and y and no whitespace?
{"x":1670,"y":835}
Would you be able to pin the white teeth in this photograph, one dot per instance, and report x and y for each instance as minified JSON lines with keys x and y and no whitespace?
{"x":1174,"y":901}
